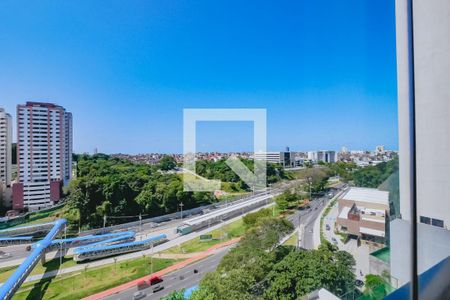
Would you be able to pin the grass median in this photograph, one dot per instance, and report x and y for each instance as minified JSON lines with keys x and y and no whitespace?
{"x":292,"y":241}
{"x":88,"y":281}
{"x":40,"y":268}
{"x":223,"y":234}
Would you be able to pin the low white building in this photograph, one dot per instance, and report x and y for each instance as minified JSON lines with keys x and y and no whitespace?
{"x":363,"y":213}
{"x":284,"y":158}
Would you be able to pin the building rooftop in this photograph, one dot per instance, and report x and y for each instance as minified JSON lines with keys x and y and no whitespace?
{"x":344,"y":212}
{"x":371,"y":231}
{"x":367,"y":195}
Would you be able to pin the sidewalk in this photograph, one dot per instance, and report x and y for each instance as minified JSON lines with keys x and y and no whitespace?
{"x":360,"y":254}
{"x":163,"y":272}
{"x":316,"y":237}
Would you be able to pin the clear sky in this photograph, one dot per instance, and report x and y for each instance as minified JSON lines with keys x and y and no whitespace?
{"x":324,"y":70}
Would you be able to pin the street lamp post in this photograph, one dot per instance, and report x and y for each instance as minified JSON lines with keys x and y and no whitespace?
{"x":104,"y":222}
{"x":60,"y":254}
{"x":151,"y":261}
{"x":310,"y":193}
{"x":79,"y":221}
{"x":181,"y":209}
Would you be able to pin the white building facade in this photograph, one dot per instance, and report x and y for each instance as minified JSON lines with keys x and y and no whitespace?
{"x":327,"y":156}
{"x":5,"y":157}
{"x":285,"y":158}
{"x":44,"y":154}
{"x":432,"y":124}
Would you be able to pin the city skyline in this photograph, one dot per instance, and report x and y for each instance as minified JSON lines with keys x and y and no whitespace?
{"x":324,"y":85}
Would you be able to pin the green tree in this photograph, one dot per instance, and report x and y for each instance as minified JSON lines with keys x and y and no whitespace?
{"x":376,"y":287}
{"x":116,"y":187}
{"x":373,"y":176}
{"x":176,"y":295}
{"x":252,"y":218}
{"x":282,"y":203}
{"x":302,"y":272}
{"x":234,"y":284}
{"x":167,"y":163}
{"x":247,"y":264}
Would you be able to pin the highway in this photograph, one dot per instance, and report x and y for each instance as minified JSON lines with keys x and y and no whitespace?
{"x":177,"y":280}
{"x":307,"y":217}
{"x":175,"y":242}
{"x":18,"y":253}
{"x":173,"y":282}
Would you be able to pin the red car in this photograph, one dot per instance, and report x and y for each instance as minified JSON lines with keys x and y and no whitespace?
{"x":143,"y":284}
{"x":155,"y":279}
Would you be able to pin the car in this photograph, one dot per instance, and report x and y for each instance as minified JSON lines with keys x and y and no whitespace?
{"x":143,"y":284}
{"x":158,"y":288}
{"x":359,"y":283}
{"x":195,"y":271}
{"x":327,"y":227}
{"x":155,"y":279}
{"x":334,"y":241}
{"x":139,"y":295}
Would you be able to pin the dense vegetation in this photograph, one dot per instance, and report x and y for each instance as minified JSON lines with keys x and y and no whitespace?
{"x":220,"y":170}
{"x":373,"y":176}
{"x":116,"y":187}
{"x":258,"y":269}
{"x":289,"y":199}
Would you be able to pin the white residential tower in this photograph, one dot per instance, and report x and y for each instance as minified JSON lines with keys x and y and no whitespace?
{"x":5,"y":156}
{"x":44,"y":154}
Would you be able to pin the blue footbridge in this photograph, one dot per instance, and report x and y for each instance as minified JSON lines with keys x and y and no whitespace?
{"x":89,"y":247}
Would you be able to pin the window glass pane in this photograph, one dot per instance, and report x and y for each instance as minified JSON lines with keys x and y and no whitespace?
{"x":234,"y":149}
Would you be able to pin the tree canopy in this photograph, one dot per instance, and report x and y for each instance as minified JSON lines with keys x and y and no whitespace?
{"x":373,"y":176}
{"x":117,"y":187}
{"x":302,"y":272}
{"x":260,"y":269}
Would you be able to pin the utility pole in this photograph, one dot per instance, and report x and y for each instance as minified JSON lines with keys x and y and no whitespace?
{"x":310,"y":193}
{"x":104,"y":222}
{"x":301,"y":228}
{"x":79,"y":221}
{"x":60,"y":254}
{"x":181,"y":208}
{"x":151,"y":261}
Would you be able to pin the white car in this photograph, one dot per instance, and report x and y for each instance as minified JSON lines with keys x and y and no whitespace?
{"x":139,"y":295}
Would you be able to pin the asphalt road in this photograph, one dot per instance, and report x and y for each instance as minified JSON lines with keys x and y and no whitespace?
{"x":307,"y":217}
{"x":173,"y":282}
{"x":18,"y":253}
{"x":177,"y":280}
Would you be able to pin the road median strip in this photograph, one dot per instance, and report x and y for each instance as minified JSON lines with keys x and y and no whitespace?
{"x":163,"y":272}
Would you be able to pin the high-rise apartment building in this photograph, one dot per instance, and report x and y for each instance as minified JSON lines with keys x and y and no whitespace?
{"x":44,"y":154}
{"x":5,"y":156}
{"x":323,"y":156}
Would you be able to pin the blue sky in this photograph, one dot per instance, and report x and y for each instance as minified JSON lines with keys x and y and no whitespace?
{"x":324,"y":70}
